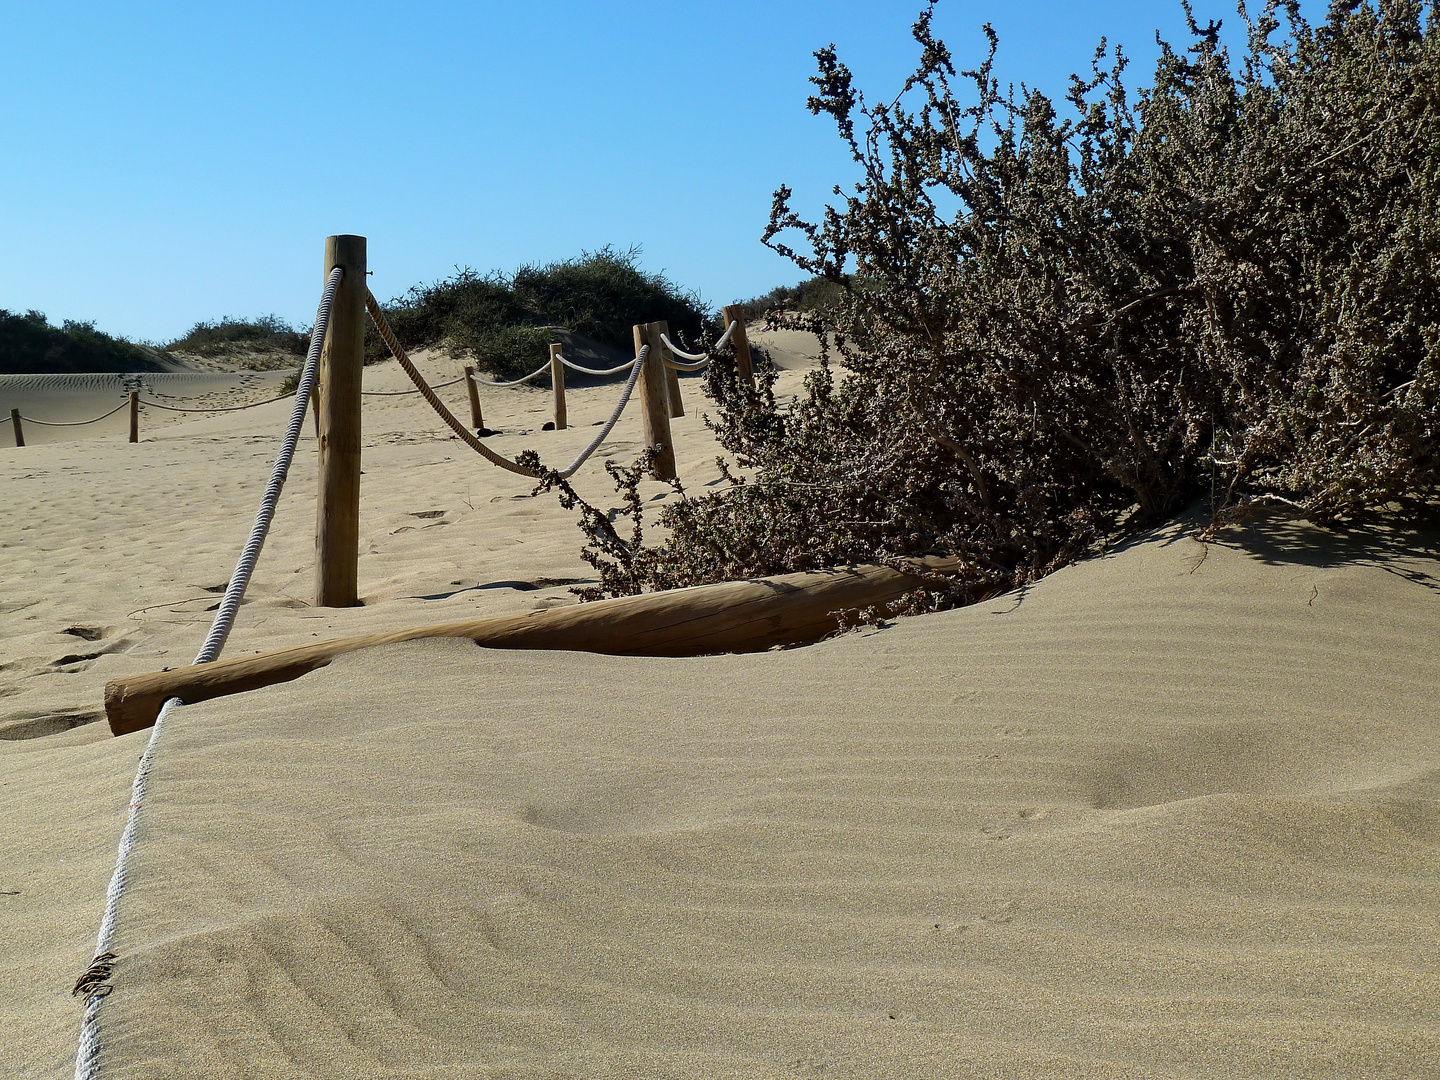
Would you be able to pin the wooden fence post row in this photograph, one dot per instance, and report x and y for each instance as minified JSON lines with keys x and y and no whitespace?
{"x":337,"y":511}
{"x":557,"y":381}
{"x":655,"y":401}
{"x":672,"y":380}
{"x":734,"y":313}
{"x":476,"y":420}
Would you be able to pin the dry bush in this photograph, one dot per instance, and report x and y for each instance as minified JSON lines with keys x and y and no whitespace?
{"x":1072,"y":326}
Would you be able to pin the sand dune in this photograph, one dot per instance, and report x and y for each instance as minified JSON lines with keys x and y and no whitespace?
{"x":1173,"y":812}
{"x":78,"y":397}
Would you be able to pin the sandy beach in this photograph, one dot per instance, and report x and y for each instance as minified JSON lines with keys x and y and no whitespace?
{"x":81,"y":402}
{"x":1173,"y":812}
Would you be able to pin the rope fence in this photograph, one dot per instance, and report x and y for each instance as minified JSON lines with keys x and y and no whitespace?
{"x":377,"y":316}
{"x":523,"y":379}
{"x":701,"y":359}
{"x":594,"y":371}
{"x":94,"y":983}
{"x":215,"y":408}
{"x":339,"y":323}
{"x":16,"y":416}
{"x":74,"y":423}
{"x":698,"y":362}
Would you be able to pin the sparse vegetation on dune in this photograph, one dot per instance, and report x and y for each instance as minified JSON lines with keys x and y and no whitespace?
{"x":30,"y":345}
{"x":502,"y":321}
{"x":231,"y":336}
{"x":1225,"y":286}
{"x":811,"y":295}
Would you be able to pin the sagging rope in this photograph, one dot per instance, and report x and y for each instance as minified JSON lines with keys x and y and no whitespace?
{"x":594,"y":371}
{"x":412,"y":390}
{"x":702,"y":359}
{"x":377,"y":316}
{"x":514,"y":382}
{"x":74,"y":423}
{"x":216,"y":409}
{"x":94,"y":983}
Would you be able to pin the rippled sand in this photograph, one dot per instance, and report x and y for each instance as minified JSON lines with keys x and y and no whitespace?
{"x":1174,"y":812}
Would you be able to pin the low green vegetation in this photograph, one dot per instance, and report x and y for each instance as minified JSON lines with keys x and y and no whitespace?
{"x":1080,"y":318}
{"x":30,"y":345}
{"x":268,"y":333}
{"x":808,"y":297}
{"x":503,"y":321}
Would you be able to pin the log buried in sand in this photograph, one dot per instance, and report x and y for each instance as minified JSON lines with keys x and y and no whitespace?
{"x":733,"y":616}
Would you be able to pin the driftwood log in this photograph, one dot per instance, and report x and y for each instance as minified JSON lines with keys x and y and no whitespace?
{"x":734,"y":616}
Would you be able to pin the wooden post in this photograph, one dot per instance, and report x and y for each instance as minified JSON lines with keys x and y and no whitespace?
{"x":134,"y":416}
{"x":655,"y":402}
{"x":557,"y":381}
{"x":743,"y":366}
{"x":476,"y":420}
{"x":672,"y":380}
{"x":19,"y":434}
{"x":337,"y":512}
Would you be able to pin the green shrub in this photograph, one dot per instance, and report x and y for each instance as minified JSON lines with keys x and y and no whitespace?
{"x":812,"y":295}
{"x":29,"y":344}
{"x":268,"y":333}
{"x":1227,"y":283}
{"x":503,"y":322}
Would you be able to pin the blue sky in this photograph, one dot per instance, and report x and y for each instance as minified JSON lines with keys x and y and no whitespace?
{"x":171,"y":162}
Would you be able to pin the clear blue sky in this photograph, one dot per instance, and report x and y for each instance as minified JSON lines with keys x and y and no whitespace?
{"x":170,"y":162}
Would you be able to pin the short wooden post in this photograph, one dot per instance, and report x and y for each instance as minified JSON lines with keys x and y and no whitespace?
{"x":672,"y":380}
{"x":476,"y":420}
{"x":337,"y":512}
{"x":19,"y":434}
{"x":557,"y":381}
{"x":655,"y":402}
{"x":743,"y":366}
{"x":134,"y":416}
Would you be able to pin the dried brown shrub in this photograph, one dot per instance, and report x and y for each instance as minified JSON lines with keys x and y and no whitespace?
{"x":1069,"y":326}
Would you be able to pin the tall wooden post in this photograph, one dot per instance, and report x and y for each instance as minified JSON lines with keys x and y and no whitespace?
{"x":672,"y":380}
{"x":557,"y":380}
{"x":337,"y":512}
{"x":476,"y":420}
{"x":655,"y":402}
{"x":19,"y":433}
{"x":743,"y":366}
{"x":134,"y":416}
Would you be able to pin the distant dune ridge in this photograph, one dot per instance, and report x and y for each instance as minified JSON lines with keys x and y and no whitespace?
{"x":1173,"y":812}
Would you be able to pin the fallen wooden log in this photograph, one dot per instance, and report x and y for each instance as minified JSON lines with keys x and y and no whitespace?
{"x":733,"y":616}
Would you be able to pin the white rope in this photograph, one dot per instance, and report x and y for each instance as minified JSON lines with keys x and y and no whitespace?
{"x":636,"y":365}
{"x":675,"y":365}
{"x":94,"y":982}
{"x":514,"y":382}
{"x":595,"y":371}
{"x":225,"y":617}
{"x":701,"y":358}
